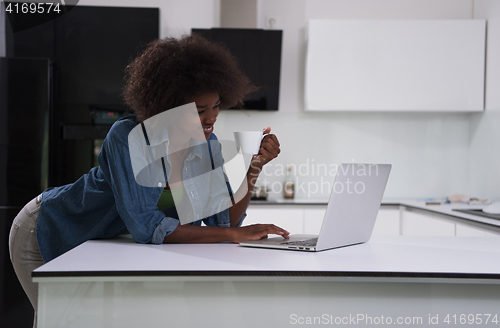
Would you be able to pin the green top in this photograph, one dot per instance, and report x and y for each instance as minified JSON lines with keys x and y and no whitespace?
{"x":167,"y":198}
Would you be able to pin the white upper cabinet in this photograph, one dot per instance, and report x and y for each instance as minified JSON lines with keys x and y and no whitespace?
{"x":395,"y":65}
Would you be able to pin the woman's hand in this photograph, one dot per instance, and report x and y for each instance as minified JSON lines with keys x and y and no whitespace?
{"x":269,"y":149}
{"x":256,"y":232}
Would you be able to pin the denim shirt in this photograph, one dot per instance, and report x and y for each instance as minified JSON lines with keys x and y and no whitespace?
{"x":107,"y":201}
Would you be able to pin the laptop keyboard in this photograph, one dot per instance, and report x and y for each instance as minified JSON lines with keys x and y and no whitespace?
{"x":308,"y":242}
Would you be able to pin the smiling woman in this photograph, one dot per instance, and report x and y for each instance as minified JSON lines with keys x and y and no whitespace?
{"x":190,"y":76}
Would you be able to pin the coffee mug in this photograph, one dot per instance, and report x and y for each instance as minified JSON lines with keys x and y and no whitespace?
{"x":248,"y":142}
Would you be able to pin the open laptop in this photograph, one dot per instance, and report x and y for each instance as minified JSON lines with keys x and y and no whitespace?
{"x":351,"y":213}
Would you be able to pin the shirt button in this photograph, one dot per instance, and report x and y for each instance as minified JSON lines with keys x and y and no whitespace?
{"x":159,"y":184}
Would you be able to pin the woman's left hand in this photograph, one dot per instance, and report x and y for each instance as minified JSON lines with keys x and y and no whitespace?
{"x":269,"y":150}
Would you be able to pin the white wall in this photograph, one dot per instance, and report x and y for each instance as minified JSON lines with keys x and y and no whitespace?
{"x":484,"y":145}
{"x":484,"y":155}
{"x":230,"y":9}
{"x":429,"y":151}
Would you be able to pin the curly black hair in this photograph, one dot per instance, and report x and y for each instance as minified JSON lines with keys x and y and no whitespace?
{"x":171,"y":71}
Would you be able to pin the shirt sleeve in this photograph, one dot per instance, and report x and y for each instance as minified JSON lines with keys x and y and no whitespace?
{"x":136,"y":204}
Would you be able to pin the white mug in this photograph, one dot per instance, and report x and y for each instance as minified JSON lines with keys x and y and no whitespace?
{"x":248,"y":142}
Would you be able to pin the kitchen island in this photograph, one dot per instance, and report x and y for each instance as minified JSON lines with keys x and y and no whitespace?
{"x":412,"y":281}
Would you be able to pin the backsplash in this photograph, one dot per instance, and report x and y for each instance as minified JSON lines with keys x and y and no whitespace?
{"x":429,"y":151}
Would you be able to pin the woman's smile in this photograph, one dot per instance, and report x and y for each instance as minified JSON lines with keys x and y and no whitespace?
{"x":207,"y":106}
{"x":208,"y":129}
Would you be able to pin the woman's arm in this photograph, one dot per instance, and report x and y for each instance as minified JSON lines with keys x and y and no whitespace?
{"x":197,"y":234}
{"x":237,"y":211}
{"x":269,"y":149}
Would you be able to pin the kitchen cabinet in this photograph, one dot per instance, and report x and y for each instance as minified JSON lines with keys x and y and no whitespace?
{"x":307,"y":219}
{"x":313,"y":218}
{"x":286,"y":217}
{"x":416,"y":224}
{"x":392,"y":220}
{"x":395,"y":65}
{"x":465,"y":230}
{"x":462,"y":230}
{"x":388,"y":223}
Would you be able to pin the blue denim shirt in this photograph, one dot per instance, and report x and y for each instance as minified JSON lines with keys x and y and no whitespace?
{"x":107,"y":201}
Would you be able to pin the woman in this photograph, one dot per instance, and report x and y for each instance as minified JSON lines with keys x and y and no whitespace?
{"x":108,"y":201}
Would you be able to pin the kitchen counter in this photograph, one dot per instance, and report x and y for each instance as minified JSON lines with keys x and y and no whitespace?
{"x":119,"y":283}
{"x":447,"y":211}
{"x":390,"y":258}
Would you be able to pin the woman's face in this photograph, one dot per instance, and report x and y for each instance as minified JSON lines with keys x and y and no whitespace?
{"x":208,"y":110}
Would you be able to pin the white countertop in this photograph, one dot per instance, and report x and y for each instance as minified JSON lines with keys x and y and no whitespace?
{"x":461,"y":259}
{"x":448,"y":210}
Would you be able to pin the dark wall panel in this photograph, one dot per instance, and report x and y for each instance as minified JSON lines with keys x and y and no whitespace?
{"x":24,"y":94}
{"x":94,"y":45}
{"x":15,"y":308}
{"x":21,"y":174}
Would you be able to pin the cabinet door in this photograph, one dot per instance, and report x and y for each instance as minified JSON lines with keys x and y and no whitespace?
{"x":288,"y":218}
{"x":395,"y":65}
{"x":387,"y":223}
{"x":313,"y":218}
{"x":416,"y":224}
{"x":468,"y":230}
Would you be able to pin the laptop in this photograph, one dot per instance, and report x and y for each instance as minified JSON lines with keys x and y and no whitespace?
{"x":350,"y":215}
